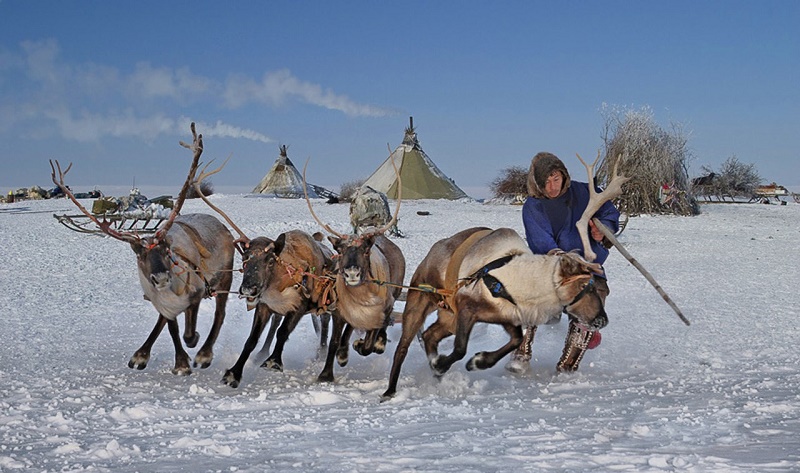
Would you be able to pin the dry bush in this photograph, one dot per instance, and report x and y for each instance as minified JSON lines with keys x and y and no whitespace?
{"x":652,"y":157}
{"x":734,"y":179}
{"x":511,"y":182}
{"x":348,"y":190}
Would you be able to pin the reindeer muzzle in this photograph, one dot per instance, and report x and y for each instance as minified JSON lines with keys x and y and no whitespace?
{"x":160,"y":281}
{"x":352,"y":276}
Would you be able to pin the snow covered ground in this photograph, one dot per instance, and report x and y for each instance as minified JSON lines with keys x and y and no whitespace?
{"x":722,"y":395}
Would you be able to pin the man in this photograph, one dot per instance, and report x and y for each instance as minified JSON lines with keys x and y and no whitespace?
{"x":554,"y":204}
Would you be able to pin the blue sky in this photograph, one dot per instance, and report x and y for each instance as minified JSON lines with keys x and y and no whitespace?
{"x":113,"y":86}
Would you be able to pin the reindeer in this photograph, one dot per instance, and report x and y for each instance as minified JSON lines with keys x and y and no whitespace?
{"x":491,"y":276}
{"x":367,"y":265}
{"x":282,"y":277}
{"x":188,"y":259}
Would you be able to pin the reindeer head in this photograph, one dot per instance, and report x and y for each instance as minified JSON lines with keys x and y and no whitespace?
{"x":355,"y":250}
{"x":260,"y":262}
{"x":584,"y":289}
{"x":353,"y":264}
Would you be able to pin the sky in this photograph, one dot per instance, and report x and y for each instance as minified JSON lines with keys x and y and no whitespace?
{"x":112,"y":87}
{"x":721,"y":395}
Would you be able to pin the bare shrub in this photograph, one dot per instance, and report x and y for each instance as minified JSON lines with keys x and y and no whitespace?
{"x":734,"y":179}
{"x":655,"y":159}
{"x":349,"y":189}
{"x":511,"y":182}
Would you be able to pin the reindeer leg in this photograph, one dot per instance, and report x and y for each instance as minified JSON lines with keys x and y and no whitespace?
{"x":487,"y":359}
{"x":342,"y":355}
{"x":273,"y":327}
{"x":365,"y":346}
{"x":206,"y":354}
{"x":190,"y":335}
{"x":325,"y":322}
{"x":234,"y":375}
{"x":466,"y":319}
{"x":326,"y":376}
{"x":142,"y":356}
{"x":418,"y":306}
{"x":275,"y":360}
{"x":380,"y":342}
{"x":181,"y":357}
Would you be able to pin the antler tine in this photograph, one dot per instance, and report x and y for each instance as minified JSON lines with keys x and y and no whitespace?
{"x":203,"y":174}
{"x":197,"y":148}
{"x":612,"y":191}
{"x":399,"y":199}
{"x":105,"y":227}
{"x":311,"y":209}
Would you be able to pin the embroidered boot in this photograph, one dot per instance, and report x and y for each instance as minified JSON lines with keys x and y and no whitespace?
{"x":520,"y":361}
{"x":575,"y":346}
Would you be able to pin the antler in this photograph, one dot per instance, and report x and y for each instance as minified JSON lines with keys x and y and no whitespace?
{"x":197,"y":148}
{"x":311,"y":209}
{"x":203,"y":174}
{"x":104,"y":226}
{"x":399,"y":198}
{"x":612,"y":191}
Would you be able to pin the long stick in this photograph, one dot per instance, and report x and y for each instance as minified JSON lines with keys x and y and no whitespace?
{"x":613,"y":239}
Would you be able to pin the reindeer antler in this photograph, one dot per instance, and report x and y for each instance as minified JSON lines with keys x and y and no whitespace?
{"x":399,"y":198}
{"x":311,"y":209}
{"x":104,"y":226}
{"x":203,"y":174}
{"x":612,"y":191}
{"x":197,"y":148}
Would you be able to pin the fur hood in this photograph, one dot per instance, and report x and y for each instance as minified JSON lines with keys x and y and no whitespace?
{"x":542,"y":165}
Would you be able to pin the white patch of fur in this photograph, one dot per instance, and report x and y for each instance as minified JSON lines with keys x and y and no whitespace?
{"x":528,"y":278}
{"x":282,"y":302}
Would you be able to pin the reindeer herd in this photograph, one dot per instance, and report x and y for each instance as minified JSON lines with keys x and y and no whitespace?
{"x":476,"y":275}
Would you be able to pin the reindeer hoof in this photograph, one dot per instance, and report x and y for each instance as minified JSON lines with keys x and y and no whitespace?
{"x":203,"y":360}
{"x":477,"y":362}
{"x":191,"y":342}
{"x":325,"y":378}
{"x":138,"y":362}
{"x":182,"y":370}
{"x":230,"y":379}
{"x":438,"y":366}
{"x":273,"y":365}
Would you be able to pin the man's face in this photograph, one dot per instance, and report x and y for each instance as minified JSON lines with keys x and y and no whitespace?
{"x":552,"y":187}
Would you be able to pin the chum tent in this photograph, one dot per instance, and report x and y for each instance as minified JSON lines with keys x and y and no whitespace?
{"x":284,"y":180}
{"x":420,"y":177}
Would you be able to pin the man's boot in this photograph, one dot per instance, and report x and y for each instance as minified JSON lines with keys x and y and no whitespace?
{"x":520,"y":361}
{"x":578,"y":341}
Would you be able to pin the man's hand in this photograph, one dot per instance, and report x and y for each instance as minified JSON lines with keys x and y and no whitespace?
{"x":597,"y":235}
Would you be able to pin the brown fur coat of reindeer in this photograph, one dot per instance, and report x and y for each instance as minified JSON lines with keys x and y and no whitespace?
{"x":364,"y":266}
{"x":492,"y":276}
{"x":283,"y":279}
{"x":188,"y":259}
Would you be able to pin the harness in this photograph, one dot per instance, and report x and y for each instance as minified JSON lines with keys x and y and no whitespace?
{"x":496,"y":288}
{"x":589,"y":287}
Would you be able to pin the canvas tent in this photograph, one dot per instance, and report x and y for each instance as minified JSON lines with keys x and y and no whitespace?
{"x":284,"y":180}
{"x":420,"y":177}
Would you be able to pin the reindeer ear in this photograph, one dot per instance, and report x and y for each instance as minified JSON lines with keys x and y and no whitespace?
{"x":280,"y":243}
{"x":334,"y":241}
{"x":572,"y":265}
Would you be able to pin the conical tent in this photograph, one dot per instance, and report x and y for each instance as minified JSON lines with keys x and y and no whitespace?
{"x":420,"y":177}
{"x":283,"y":180}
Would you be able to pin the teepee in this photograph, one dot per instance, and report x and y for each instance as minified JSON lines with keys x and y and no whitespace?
{"x":420,"y":177}
{"x":283,"y":180}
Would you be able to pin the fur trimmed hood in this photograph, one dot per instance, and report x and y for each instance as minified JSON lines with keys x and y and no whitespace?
{"x":542,"y":165}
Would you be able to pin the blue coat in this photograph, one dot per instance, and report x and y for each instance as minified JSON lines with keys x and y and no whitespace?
{"x":550,"y":223}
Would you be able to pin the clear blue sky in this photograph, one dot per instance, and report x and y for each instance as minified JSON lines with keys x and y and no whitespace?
{"x":112,"y":86}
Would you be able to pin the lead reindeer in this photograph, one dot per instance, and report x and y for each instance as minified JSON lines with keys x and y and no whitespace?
{"x":283,"y":279}
{"x":188,"y":259}
{"x":491,"y":276}
{"x":370,"y":272}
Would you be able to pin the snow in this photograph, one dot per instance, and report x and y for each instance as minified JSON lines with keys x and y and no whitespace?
{"x":722,"y":395}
